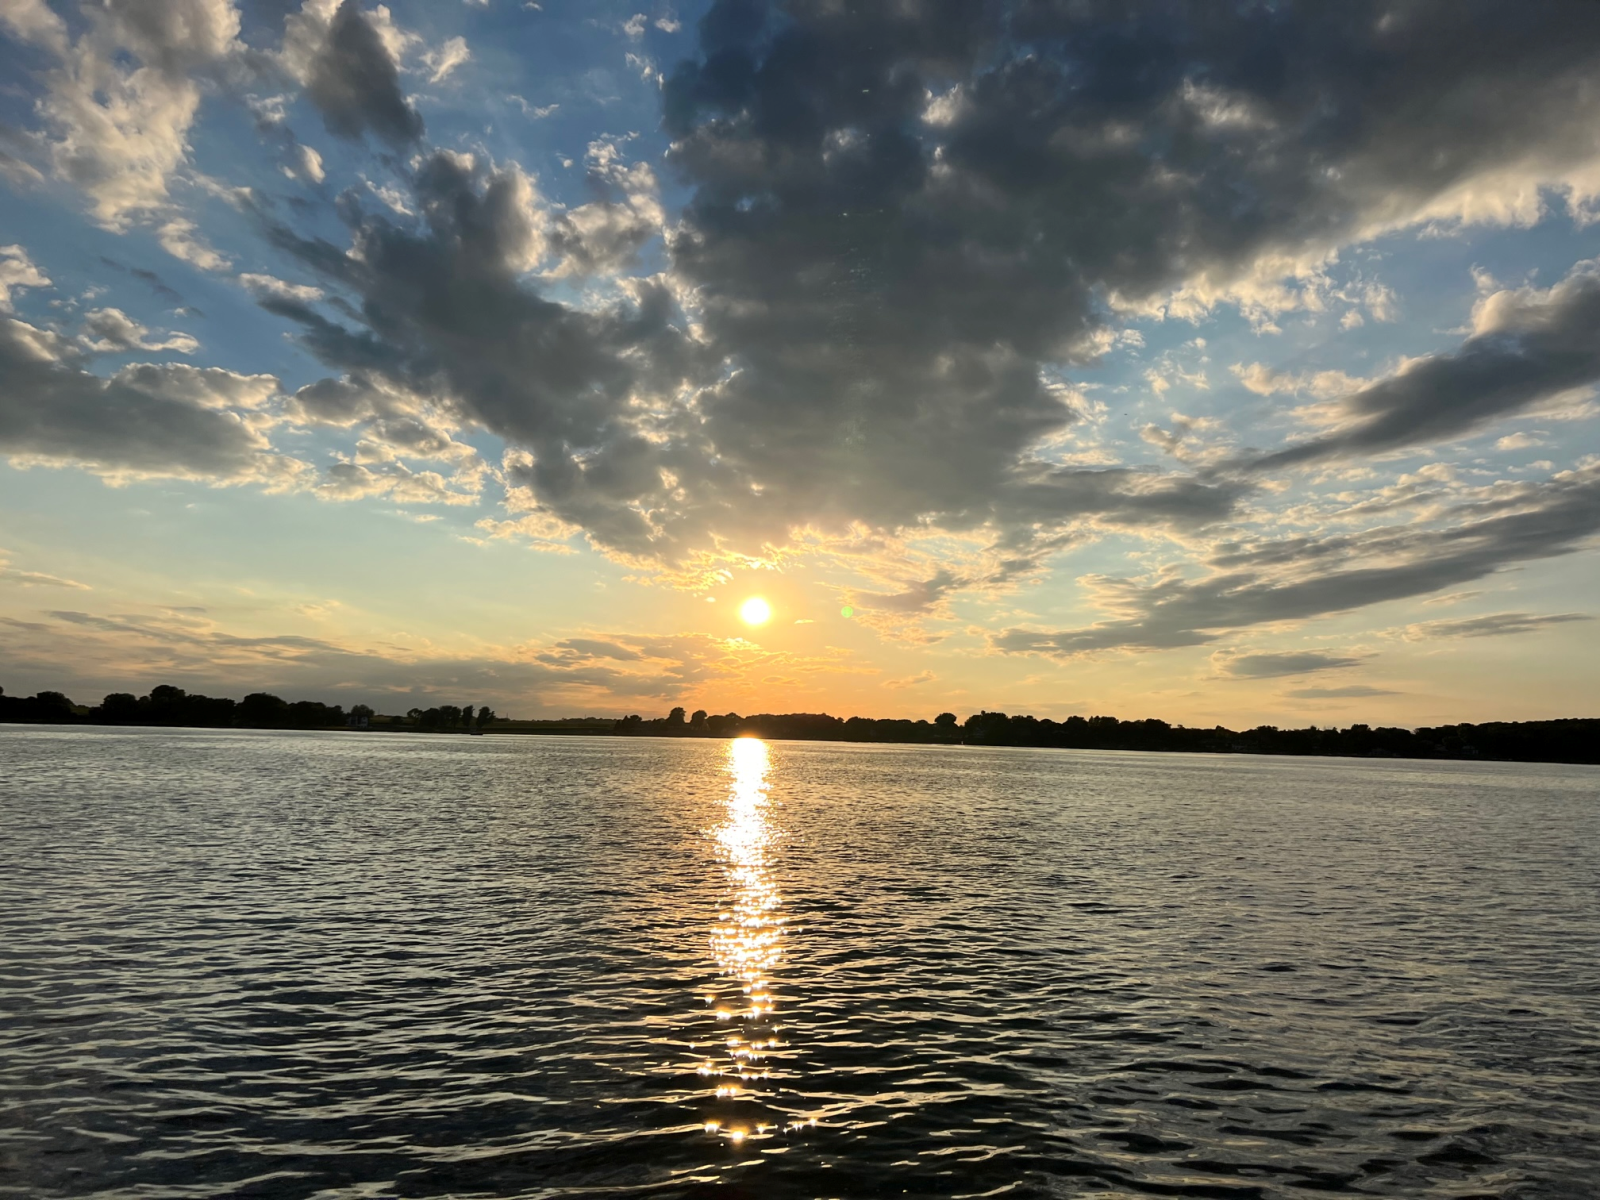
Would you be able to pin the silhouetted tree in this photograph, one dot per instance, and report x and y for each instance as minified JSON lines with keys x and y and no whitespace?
{"x":313,"y":714}
{"x":262,"y":710}
{"x":119,"y":708}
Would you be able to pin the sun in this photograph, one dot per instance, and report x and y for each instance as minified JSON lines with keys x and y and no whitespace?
{"x":755,"y":611}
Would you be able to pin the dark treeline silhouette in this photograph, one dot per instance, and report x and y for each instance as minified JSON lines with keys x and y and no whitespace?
{"x":794,"y":726}
{"x":168,"y":705}
{"x":1570,"y":741}
{"x":448,"y":716}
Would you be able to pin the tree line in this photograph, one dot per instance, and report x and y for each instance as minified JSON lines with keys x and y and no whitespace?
{"x":794,"y":727}
{"x":1571,"y":740}
{"x":172,"y":706}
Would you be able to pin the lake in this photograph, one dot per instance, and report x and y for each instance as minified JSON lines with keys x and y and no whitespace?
{"x":364,"y":965}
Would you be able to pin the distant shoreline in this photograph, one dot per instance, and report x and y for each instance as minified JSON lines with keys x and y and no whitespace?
{"x":865,"y":741}
{"x":1568,"y":740}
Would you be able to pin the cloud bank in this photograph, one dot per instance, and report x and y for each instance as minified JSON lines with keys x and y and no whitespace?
{"x":858,"y":302}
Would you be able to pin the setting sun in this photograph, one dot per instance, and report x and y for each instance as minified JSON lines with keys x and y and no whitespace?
{"x":755,"y":611}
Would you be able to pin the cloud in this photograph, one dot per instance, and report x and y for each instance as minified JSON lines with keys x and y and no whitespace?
{"x":118,"y":649}
{"x":916,"y":680}
{"x":112,"y":331}
{"x":887,"y":285}
{"x":156,"y":285}
{"x":887,"y":263}
{"x":537,"y":113}
{"x":906,"y":228}
{"x":120,"y":99}
{"x":32,"y":21}
{"x":1270,"y":666}
{"x":10,"y":574}
{"x":605,"y":235}
{"x":1301,"y":578}
{"x":1517,"y":441}
{"x":349,"y":61}
{"x":634,"y":433}
{"x":452,"y":54}
{"x":616,"y":673}
{"x":1490,"y":625}
{"x":556,"y":380}
{"x":1264,"y":381}
{"x":1045,"y":181}
{"x":918,"y":597}
{"x":592,"y":648}
{"x":1527,"y":345}
{"x":271,"y":288}
{"x":345,"y":402}
{"x":308,"y":164}
{"x":180,"y":238}
{"x":346,"y":481}
{"x":113,"y":650}
{"x":1354,"y":692}
{"x":145,"y":420}
{"x":17,"y":271}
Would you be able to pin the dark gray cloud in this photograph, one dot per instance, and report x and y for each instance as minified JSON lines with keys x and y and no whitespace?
{"x":341,"y":402}
{"x":156,"y":284}
{"x":354,"y":81}
{"x":901,"y":212}
{"x":444,"y":311}
{"x":1269,"y":666}
{"x":166,"y":419}
{"x":1528,"y":347}
{"x":150,"y":278}
{"x":1302,"y":578}
{"x":1492,"y":625}
{"x":919,"y":597}
{"x":906,"y":220}
{"x":444,"y":308}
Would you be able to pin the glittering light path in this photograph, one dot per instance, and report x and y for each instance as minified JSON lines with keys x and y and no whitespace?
{"x":747,"y":941}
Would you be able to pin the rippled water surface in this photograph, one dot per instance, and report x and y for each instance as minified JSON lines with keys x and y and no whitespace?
{"x":345,"y":965}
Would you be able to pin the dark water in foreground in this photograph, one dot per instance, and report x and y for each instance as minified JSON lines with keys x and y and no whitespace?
{"x":380,"y":965}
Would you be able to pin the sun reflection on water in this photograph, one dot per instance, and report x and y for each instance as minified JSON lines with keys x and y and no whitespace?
{"x":747,"y":941}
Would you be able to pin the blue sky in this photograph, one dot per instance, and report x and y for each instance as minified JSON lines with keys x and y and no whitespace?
{"x":1229,"y":366}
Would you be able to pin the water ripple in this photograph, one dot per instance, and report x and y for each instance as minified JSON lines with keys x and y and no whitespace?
{"x":359,"y":966}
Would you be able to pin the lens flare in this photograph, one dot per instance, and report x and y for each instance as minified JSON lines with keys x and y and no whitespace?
{"x":755,"y":611}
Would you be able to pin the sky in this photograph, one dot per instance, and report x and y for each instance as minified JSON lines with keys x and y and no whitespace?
{"x":1229,"y":363}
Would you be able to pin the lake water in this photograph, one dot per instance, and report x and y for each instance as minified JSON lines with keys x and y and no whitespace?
{"x":347,"y":965}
